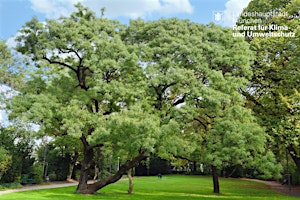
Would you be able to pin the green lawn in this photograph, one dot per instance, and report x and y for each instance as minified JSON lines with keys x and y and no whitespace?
{"x":170,"y":187}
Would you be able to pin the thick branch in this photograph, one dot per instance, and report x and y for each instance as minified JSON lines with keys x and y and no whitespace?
{"x":182,"y":157}
{"x":179,"y":101}
{"x":251,"y":98}
{"x":59,"y":63}
{"x":72,"y":51}
{"x":203,"y":124}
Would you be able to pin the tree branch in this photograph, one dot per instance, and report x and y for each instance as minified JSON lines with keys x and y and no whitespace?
{"x":59,"y":63}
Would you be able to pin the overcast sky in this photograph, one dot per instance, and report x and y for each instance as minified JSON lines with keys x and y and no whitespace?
{"x":15,"y":13}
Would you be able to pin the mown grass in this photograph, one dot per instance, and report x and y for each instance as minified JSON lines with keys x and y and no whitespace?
{"x":169,"y":188}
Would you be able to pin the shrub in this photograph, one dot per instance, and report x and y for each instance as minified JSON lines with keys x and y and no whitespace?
{"x":37,"y":173}
{"x":52,"y":176}
{"x":13,"y":185}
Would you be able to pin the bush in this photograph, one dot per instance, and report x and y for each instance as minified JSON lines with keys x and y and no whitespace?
{"x":60,"y":175}
{"x":13,"y":185}
{"x":77,"y":174}
{"x":37,"y":173}
{"x":52,"y":176}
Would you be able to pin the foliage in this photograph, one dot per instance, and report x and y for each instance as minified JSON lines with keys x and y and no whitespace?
{"x":274,"y":90}
{"x":18,"y":141}
{"x":132,"y":91}
{"x":13,"y":67}
{"x":57,"y":156}
{"x":37,"y":173}
{"x":237,"y":140}
{"x":13,"y":185}
{"x":5,"y":161}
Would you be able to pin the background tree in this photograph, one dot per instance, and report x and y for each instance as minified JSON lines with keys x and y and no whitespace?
{"x":18,"y":143}
{"x":59,"y":157}
{"x":5,"y":161}
{"x":13,"y":67}
{"x":276,"y":78}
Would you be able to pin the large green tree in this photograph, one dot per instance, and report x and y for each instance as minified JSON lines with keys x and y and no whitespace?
{"x":85,"y":77}
{"x":120,"y":90}
{"x":274,"y":87}
{"x":194,"y":75}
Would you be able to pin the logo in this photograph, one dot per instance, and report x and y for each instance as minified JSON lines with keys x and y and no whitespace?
{"x":218,"y":16}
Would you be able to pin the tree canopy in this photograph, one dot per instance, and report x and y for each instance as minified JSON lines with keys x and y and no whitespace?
{"x":136,"y":90}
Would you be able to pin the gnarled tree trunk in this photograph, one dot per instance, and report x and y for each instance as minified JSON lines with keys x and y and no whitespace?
{"x":86,"y":163}
{"x":85,"y":188}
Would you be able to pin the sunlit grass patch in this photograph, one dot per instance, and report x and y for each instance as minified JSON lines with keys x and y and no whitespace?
{"x":173,"y":187}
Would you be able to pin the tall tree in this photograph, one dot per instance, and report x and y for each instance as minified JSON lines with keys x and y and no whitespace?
{"x":85,"y":76}
{"x":194,"y":73}
{"x":276,"y":75}
{"x":120,"y":89}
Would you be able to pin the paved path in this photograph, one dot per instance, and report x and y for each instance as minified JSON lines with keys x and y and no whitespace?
{"x":283,"y":189}
{"x":39,"y":187}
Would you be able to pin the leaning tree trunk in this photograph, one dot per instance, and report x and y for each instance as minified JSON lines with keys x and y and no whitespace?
{"x":130,"y":187}
{"x":94,"y":187}
{"x":215,"y":179}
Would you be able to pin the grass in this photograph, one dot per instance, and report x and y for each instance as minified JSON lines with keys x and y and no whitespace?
{"x":171,"y":187}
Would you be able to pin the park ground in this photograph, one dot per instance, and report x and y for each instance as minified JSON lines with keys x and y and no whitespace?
{"x":170,"y":187}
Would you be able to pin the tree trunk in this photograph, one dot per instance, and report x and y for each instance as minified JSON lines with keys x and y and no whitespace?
{"x":96,"y":173}
{"x":72,"y":160}
{"x":233,"y":171}
{"x":294,"y":156}
{"x":195,"y":166}
{"x":215,"y":179}
{"x":92,"y":188}
{"x":71,"y":168}
{"x":130,"y":188}
{"x":86,"y":163}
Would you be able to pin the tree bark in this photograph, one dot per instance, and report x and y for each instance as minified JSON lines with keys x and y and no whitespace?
{"x":130,"y":188}
{"x":71,"y":168}
{"x":86,"y":163}
{"x":96,"y":173}
{"x":215,"y":179}
{"x":85,"y":188}
{"x":294,"y":156}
